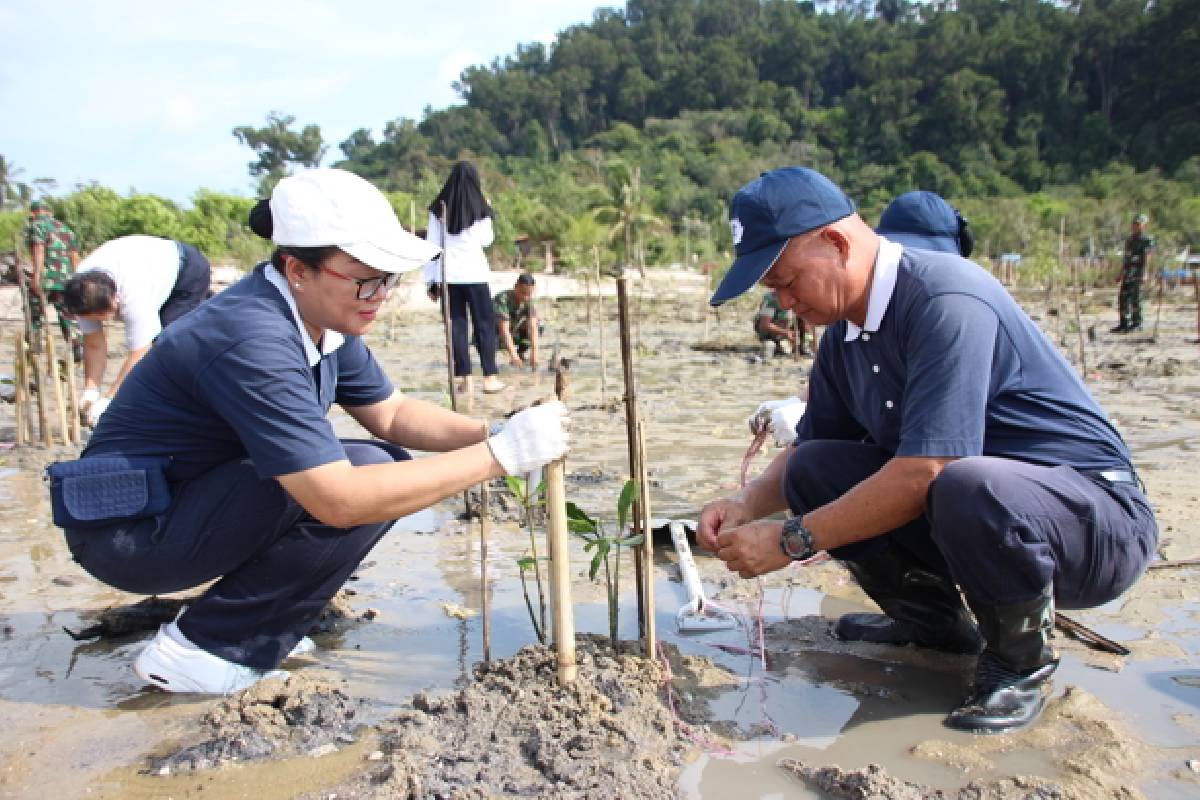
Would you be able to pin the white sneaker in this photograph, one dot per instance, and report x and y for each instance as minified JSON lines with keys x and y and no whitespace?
{"x":302,"y":648}
{"x":172,"y":663}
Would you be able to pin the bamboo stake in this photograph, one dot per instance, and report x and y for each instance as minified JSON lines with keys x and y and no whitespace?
{"x":73,"y":396}
{"x":707,"y":308}
{"x":603,"y":337}
{"x":563,"y":614}
{"x":649,"y":638}
{"x":20,"y":387}
{"x":631,"y":426}
{"x":34,"y":369}
{"x":1158,"y":313}
{"x":445,"y":303}
{"x":52,"y":376}
{"x":484,"y":525}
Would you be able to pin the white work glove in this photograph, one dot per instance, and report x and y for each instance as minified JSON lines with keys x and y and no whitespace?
{"x":532,"y":438}
{"x":87,"y":397}
{"x":96,"y":409}
{"x":779,"y":418}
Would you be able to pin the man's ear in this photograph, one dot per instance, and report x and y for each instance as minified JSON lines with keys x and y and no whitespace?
{"x":838,"y":239}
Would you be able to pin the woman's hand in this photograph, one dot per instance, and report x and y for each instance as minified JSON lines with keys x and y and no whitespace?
{"x":532,"y":438}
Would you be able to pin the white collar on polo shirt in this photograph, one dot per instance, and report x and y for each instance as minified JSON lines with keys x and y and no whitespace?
{"x":887,"y":262}
{"x":331,"y":341}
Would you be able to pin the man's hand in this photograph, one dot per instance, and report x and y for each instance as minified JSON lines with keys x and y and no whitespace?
{"x":753,"y":549}
{"x":516,"y":361}
{"x":718,"y":516}
{"x":779,"y":418}
{"x":86,"y":398}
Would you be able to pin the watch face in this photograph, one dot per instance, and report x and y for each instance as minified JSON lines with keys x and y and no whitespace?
{"x":794,"y":543}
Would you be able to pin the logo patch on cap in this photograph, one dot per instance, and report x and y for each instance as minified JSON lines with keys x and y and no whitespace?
{"x":735,"y":227}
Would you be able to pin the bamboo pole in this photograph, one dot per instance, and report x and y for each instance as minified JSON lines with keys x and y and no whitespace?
{"x":631,"y":426}
{"x":649,"y":637}
{"x":603,"y":337}
{"x":562,"y":612}
{"x":485,"y":601}
{"x":20,"y":388}
{"x":445,"y":303}
{"x":73,"y":397}
{"x":34,"y":373}
{"x":52,"y":375}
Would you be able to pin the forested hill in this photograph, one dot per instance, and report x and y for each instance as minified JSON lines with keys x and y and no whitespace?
{"x":973,"y":97}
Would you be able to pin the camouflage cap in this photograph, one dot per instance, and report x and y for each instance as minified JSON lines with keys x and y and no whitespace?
{"x":1141,"y":219}
{"x":39,"y":205}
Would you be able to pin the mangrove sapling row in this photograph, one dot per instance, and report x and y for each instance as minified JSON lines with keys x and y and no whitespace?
{"x":606,"y":550}
{"x":530,"y":501}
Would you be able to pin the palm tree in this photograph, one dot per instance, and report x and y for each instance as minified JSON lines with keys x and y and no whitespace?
{"x":13,"y":193}
{"x":626,"y":212}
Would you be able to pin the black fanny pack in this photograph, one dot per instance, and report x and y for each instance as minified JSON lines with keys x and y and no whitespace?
{"x":96,"y":491}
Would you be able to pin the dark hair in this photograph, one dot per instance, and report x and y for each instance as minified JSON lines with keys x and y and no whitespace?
{"x":90,"y":292}
{"x":966,"y":236}
{"x":463,"y":199}
{"x":311,"y":257}
{"x":260,"y":219}
{"x":525,"y":279}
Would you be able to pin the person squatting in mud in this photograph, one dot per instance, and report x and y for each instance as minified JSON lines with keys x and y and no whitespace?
{"x":946,"y":447}
{"x":264,"y":497}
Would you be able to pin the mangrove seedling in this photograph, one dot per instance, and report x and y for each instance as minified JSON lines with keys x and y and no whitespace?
{"x":606,"y":550}
{"x":529,"y":501}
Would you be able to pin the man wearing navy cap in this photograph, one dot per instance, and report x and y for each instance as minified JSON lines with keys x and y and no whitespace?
{"x":946,"y":446}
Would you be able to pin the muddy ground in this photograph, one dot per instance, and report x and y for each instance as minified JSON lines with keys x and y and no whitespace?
{"x":398,"y":703}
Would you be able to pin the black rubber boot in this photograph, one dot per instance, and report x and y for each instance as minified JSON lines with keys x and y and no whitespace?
{"x":920,"y":607}
{"x":1012,"y":679}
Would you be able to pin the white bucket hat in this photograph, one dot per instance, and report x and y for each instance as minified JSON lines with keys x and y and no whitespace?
{"x":332,"y":207}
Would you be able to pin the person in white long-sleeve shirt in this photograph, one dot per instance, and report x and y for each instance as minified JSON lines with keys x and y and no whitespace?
{"x":467,"y":230}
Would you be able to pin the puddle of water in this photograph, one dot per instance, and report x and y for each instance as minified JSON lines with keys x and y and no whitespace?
{"x":81,"y":711}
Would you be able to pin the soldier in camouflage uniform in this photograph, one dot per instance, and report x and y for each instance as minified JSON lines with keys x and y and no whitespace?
{"x":777,"y":326}
{"x":54,"y":253}
{"x":1138,"y":249}
{"x":517,"y":322}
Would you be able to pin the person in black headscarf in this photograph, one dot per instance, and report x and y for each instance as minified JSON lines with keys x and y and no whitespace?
{"x":460,"y":222}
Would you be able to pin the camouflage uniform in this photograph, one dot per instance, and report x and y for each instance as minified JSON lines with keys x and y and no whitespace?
{"x":59,"y":243}
{"x":770,"y":309}
{"x":517,"y":316}
{"x":1129,"y":299}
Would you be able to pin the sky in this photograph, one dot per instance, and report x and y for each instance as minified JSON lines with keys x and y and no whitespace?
{"x":144,"y":96}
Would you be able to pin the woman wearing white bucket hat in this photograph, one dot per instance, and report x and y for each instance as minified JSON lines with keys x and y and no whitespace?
{"x":263,"y":495}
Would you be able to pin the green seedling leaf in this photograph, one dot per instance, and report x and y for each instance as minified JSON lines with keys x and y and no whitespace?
{"x":575,"y":512}
{"x":581,"y":526}
{"x":541,"y":488}
{"x":516,"y":485}
{"x":628,"y":493}
{"x":590,"y":544}
{"x":632,"y":541}
{"x":526,"y":563}
{"x":597,"y":560}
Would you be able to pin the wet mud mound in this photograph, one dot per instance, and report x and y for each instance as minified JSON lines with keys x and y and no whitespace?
{"x":874,"y":783}
{"x":515,"y":732}
{"x":276,"y":718}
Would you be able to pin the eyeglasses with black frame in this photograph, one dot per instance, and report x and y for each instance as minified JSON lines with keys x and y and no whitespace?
{"x":367,"y":287}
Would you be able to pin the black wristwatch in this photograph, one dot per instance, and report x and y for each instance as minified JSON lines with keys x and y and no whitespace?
{"x":797,"y":540}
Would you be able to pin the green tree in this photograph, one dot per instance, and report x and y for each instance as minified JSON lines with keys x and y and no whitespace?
{"x":280,"y":149}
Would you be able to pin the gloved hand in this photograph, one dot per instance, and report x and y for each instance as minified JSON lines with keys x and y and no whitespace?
{"x":778,"y":417}
{"x":532,"y":438}
{"x":87,"y":397}
{"x":96,"y":409}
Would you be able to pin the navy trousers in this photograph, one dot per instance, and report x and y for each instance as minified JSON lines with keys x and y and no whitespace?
{"x":277,"y":565}
{"x":1003,"y":530}
{"x":191,"y":287}
{"x":477,"y":297}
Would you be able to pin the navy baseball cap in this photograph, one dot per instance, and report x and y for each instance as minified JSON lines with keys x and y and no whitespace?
{"x":766,"y":212}
{"x":922,"y":220}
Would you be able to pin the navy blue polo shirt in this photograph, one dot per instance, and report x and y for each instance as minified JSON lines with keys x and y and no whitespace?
{"x":232,"y":379}
{"x":956,"y":369}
